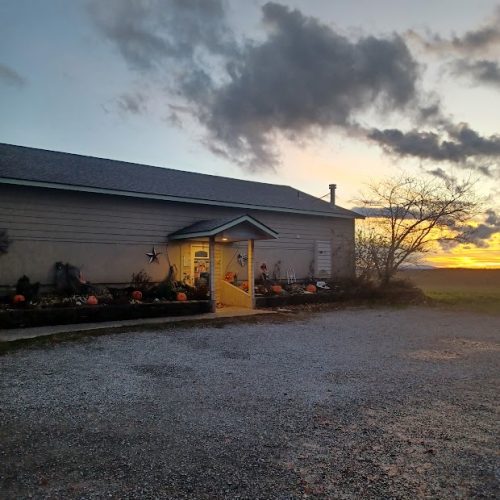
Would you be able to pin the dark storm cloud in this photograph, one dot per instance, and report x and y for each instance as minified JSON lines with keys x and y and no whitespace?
{"x":303,"y":77}
{"x":482,"y":71}
{"x":462,"y":144}
{"x":11,"y":77}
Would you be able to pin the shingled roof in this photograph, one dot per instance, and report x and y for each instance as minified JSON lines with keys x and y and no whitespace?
{"x":39,"y":167}
{"x":211,"y":227}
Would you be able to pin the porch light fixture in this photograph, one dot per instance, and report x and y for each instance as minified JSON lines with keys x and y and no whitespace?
{"x":224,"y":239}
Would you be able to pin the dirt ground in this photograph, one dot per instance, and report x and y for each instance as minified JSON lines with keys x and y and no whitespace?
{"x":355,"y":403}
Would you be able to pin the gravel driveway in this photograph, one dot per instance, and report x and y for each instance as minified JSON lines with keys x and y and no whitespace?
{"x":357,"y":403}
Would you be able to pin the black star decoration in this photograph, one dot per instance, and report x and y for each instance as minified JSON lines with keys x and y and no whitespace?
{"x":153,"y":256}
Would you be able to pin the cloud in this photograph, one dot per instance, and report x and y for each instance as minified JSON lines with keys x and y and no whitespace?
{"x":442,"y":174}
{"x":11,"y":77}
{"x":464,"y":233}
{"x":478,"y":41}
{"x":375,"y":212}
{"x":480,"y":235}
{"x":151,"y":33}
{"x":462,"y":144}
{"x":469,"y":51}
{"x":492,"y":218}
{"x":134,"y":103}
{"x":482,"y":71}
{"x":304,"y":77}
{"x":301,"y":79}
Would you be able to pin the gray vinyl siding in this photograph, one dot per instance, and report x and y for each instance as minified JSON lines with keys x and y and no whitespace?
{"x":108,"y":236}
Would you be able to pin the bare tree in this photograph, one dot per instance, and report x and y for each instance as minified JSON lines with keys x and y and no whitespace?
{"x":406,"y":216}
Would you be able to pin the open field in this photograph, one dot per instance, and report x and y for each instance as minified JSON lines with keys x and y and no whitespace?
{"x":470,"y":289}
{"x":355,"y":403}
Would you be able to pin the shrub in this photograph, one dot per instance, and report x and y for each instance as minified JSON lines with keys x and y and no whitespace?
{"x":165,"y":290}
{"x":29,"y":290}
{"x":141,"y":280}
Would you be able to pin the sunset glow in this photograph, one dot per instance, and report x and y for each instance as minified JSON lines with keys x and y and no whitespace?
{"x":466,"y":256}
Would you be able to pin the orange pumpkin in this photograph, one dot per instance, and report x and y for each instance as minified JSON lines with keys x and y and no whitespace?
{"x":277,"y":289}
{"x":181,"y":296}
{"x":244,"y":286}
{"x":18,"y":299}
{"x":311,"y":288}
{"x":92,"y":300}
{"x":137,"y":295}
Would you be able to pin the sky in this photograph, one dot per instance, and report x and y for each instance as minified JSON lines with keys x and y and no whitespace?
{"x":303,"y":92}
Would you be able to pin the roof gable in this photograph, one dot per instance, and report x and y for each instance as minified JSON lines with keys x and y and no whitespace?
{"x":213,"y":227}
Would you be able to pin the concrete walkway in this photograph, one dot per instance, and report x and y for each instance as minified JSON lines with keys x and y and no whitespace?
{"x":10,"y":335}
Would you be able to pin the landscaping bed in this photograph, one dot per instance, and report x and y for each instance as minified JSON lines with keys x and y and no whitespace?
{"x":21,"y":317}
{"x":393,"y":293}
{"x":73,"y":300}
{"x":293,"y":300}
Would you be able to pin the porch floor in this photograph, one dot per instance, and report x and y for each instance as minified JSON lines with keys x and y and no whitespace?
{"x":42,"y":331}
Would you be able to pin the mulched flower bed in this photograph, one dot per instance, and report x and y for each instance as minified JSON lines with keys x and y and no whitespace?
{"x":28,"y":316}
{"x":285,"y":300}
{"x":392,"y":294}
{"x":118,"y":304}
{"x":81,"y":302}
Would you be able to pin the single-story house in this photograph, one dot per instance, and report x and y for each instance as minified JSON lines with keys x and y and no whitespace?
{"x":113,"y":218}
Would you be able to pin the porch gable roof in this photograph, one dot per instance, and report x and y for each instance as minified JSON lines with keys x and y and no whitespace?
{"x":213,"y":227}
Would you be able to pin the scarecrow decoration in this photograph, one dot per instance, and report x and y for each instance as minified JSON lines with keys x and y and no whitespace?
{"x":153,"y":256}
{"x":264,"y":274}
{"x":242,"y":259}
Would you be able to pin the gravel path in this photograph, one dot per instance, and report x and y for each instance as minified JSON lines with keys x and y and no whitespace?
{"x":359,"y":403}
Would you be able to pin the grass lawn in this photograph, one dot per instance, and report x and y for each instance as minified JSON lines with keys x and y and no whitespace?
{"x":483,"y":301}
{"x":469,"y":289}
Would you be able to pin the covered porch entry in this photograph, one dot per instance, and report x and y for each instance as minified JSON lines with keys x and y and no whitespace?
{"x":208,"y":239}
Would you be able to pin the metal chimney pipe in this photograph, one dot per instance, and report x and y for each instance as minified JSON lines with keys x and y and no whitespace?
{"x":332,"y":187}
